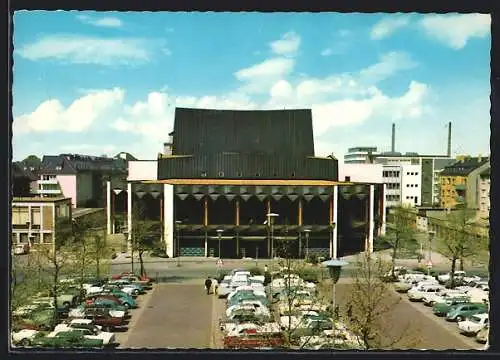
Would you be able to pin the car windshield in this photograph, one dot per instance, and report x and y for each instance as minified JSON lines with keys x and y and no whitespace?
{"x":475,"y":319}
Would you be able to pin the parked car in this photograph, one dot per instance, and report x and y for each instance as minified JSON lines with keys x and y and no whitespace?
{"x":128,"y":302}
{"x":126,"y":299}
{"x":83,"y":312}
{"x":137,"y":289}
{"x":146,"y":283}
{"x":441,"y":296}
{"x":474,"y":324}
{"x":21,"y":249}
{"x":461,"y":311}
{"x":67,"y":339}
{"x":417,"y":293}
{"x":482,"y":335}
{"x":107,"y":304}
{"x":442,"y":308}
{"x":24,"y":337}
{"x":88,"y":331}
{"x":446,"y":277}
{"x":104,"y":318}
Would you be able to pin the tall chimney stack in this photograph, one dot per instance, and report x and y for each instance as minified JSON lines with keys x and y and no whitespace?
{"x":448,"y":153}
{"x":393,"y":141}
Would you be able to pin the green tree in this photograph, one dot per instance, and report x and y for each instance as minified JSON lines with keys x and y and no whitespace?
{"x":401,"y":232}
{"x":32,"y":161}
{"x":456,"y":239}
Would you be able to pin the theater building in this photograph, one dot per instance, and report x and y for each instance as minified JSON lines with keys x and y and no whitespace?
{"x":223,"y":172}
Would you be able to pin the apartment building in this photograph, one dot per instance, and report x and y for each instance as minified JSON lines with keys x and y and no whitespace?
{"x":39,"y":221}
{"x":484,"y":194}
{"x":23,"y":180}
{"x":459,"y":181}
{"x":79,"y":177}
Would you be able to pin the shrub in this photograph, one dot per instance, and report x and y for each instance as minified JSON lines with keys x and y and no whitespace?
{"x":313,"y":259}
{"x":256,"y":271}
{"x":310,"y":274}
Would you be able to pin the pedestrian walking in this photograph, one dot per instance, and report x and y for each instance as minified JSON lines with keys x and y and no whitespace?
{"x":208,"y":284}
{"x":215,"y":286}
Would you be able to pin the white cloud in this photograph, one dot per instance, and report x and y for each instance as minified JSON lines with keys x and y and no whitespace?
{"x":327,"y":52}
{"x":258,"y":78}
{"x":107,"y":21}
{"x":388,"y":25}
{"x":388,"y":65}
{"x":457,"y":29}
{"x":51,"y":115}
{"x":91,"y":50}
{"x":288,"y":44}
{"x":282,"y":89}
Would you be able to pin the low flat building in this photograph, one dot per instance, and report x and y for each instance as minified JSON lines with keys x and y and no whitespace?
{"x":39,"y":221}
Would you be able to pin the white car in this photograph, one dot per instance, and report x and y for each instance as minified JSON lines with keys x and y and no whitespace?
{"x":431,"y":298}
{"x":79,"y":312}
{"x":21,"y":249}
{"x":90,"y":332}
{"x":474,"y":324}
{"x":79,"y":322}
{"x":451,"y":295}
{"x":24,"y":337}
{"x":446,"y":277}
{"x":417,"y":293}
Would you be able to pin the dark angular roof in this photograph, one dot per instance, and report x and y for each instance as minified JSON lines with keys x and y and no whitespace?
{"x":486,"y":172}
{"x":465,"y":167}
{"x":270,"y":132}
{"x":19,"y":171}
{"x":73,"y":163}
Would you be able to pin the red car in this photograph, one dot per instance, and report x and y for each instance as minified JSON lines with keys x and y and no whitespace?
{"x":127,"y":273}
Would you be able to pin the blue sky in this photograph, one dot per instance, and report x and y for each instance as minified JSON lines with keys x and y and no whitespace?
{"x":101,"y":83}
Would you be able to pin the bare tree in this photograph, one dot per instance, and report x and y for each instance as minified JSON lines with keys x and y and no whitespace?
{"x":401,"y":233}
{"x":457,"y":241}
{"x":369,"y":301}
{"x":145,"y":234}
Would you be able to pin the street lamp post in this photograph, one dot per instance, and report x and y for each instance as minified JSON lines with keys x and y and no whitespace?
{"x":177,"y":223}
{"x":307,"y":231}
{"x":334,"y":267}
{"x":334,"y":242}
{"x":270,"y":224}
{"x":219,"y":235}
{"x":429,"y":251}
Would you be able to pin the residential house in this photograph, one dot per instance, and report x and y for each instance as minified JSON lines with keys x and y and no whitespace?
{"x":484,"y":194}
{"x":454,"y":179}
{"x":80,"y":177}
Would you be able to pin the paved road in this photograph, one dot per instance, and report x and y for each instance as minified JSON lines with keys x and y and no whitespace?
{"x":177,"y":316}
{"x":419,"y":328}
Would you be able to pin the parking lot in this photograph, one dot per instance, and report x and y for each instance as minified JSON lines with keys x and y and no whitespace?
{"x":175,"y":316}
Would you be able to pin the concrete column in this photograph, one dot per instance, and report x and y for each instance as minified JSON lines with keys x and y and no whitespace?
{"x":371,"y":219}
{"x":205,"y":209}
{"x":384,"y":210}
{"x":335,"y":208}
{"x":168,"y":220}
{"x":206,"y":244}
{"x":300,"y":211}
{"x":108,"y":207}
{"x":129,"y":217}
{"x":237,"y":220}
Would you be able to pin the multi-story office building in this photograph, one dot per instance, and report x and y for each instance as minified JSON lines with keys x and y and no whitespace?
{"x":403,"y":185}
{"x":360,"y":155}
{"x":429,"y":168}
{"x":459,"y":181}
{"x":39,"y":221}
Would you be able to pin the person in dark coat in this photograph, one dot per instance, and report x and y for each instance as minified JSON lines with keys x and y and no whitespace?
{"x":208,"y":285}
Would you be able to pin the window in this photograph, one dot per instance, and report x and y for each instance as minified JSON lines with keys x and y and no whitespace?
{"x":221,"y":173}
{"x":416,"y":173}
{"x":203,"y":174}
{"x":20,"y":215}
{"x":347,"y":178}
{"x":407,"y":185}
{"x":408,"y":173}
{"x":36,"y":220}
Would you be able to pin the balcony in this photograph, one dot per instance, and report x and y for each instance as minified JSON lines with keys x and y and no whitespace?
{"x":49,"y":192}
{"x":48,"y":182}
{"x":459,"y":187}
